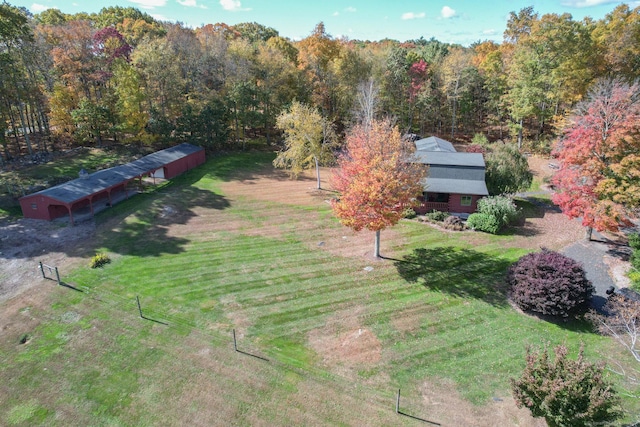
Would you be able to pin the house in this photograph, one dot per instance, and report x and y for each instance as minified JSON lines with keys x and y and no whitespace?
{"x":93,"y":192}
{"x":455,"y":181}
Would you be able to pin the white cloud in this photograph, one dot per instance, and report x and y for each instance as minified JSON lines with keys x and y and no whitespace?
{"x":159,"y":17}
{"x":587,"y":3}
{"x":232,"y":5}
{"x":447,"y":12}
{"x":350,"y":9}
{"x":490,"y":32}
{"x":191,"y":3}
{"x":411,"y":15}
{"x":336,"y":13}
{"x":37,"y":8}
{"x":149,"y":4}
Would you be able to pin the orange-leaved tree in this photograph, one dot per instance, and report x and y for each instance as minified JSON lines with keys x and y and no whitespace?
{"x":376,"y":178}
{"x":600,"y":158}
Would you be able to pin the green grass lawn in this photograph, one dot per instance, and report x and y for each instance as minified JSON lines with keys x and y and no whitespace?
{"x":261,"y":268}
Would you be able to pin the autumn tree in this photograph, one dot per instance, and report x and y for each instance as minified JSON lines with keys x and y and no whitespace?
{"x":566,"y":392}
{"x":598,"y":180}
{"x":376,"y":178}
{"x":308,"y":139}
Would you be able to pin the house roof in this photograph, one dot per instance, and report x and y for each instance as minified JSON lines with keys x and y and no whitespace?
{"x":446,"y":158}
{"x":457,"y":186}
{"x":433,"y":143}
{"x":96,"y":182}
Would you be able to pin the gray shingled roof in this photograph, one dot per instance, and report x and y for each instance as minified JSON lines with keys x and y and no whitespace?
{"x":450,"y":158}
{"x":80,"y":188}
{"x":458,"y":186}
{"x":434,"y":143}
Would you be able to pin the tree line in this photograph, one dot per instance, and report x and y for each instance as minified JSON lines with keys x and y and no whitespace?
{"x":122,"y":75}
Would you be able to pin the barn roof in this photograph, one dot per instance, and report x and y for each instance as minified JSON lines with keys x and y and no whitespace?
{"x":96,"y":182}
{"x":433,"y":143}
{"x":446,"y":158}
{"x":456,"y":186}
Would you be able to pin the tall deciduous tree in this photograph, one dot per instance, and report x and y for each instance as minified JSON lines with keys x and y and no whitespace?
{"x":566,"y":392}
{"x":599,"y":180}
{"x":308,"y":139}
{"x":376,"y":178}
{"x":507,"y":170}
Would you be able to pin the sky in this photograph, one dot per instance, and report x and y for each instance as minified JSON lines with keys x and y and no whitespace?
{"x":450,"y":21}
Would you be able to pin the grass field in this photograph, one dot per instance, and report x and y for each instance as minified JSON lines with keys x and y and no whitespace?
{"x":341,"y":331}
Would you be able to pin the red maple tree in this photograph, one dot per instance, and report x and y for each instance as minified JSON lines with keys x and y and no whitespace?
{"x":599,"y":179}
{"x":376,"y":178}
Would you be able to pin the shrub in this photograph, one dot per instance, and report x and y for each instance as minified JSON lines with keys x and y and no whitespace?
{"x":635,"y":259}
{"x":634,"y":241}
{"x":507,"y":170}
{"x":453,"y":223}
{"x":483,"y":222}
{"x":480,"y":139}
{"x":549,"y":283}
{"x":409,"y":213}
{"x":436,"y":216}
{"x":564,"y":391}
{"x":99,"y":260}
{"x":501,"y":208}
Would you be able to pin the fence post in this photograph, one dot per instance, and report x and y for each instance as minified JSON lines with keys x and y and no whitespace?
{"x":139,"y":308}
{"x":235,"y":344}
{"x":58,"y":276}
{"x":398,"y":402}
{"x":41,"y":269}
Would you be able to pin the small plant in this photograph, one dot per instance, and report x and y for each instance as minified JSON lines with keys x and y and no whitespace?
{"x":564,"y":391}
{"x":480,"y":139}
{"x":549,"y":283}
{"x":436,"y":216}
{"x":483,"y":222}
{"x":634,"y":241}
{"x":453,"y":223}
{"x":99,"y":260}
{"x":409,"y":213}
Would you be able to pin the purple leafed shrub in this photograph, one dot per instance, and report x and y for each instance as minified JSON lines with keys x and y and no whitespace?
{"x":549,"y":283}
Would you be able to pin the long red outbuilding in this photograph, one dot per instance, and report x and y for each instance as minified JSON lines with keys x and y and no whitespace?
{"x":106,"y":187}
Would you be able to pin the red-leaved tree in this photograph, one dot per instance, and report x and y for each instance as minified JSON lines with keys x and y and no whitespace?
{"x":376,"y":178}
{"x":599,"y":179}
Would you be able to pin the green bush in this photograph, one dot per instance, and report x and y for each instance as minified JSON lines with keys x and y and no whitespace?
{"x":483,"y":222}
{"x":634,"y":241}
{"x":501,"y":208}
{"x":99,"y":260}
{"x":436,"y":216}
{"x":409,"y":213}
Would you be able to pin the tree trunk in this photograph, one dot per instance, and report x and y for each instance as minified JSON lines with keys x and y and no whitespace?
{"x":376,"y":247}
{"x":520,"y":135}
{"x":317,"y":172}
{"x":589,"y":233}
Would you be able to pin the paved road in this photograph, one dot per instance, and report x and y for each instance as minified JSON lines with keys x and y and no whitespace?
{"x":590,"y":254}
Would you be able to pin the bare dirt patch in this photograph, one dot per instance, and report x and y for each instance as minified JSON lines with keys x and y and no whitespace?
{"x":343,"y":342}
{"x":440,"y":397}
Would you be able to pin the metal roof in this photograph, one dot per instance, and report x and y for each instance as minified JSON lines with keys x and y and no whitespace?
{"x":446,"y":158}
{"x":433,"y":143}
{"x":96,"y":182}
{"x":458,"y":186}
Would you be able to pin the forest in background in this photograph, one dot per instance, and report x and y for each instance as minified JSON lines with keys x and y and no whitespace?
{"x":122,"y":76}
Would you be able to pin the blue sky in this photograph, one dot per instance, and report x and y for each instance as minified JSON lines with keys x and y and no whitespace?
{"x":453,"y":21}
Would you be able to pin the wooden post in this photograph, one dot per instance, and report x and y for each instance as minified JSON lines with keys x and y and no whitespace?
{"x":398,"y":402}
{"x":42,"y":270}
{"x":58,"y":276}
{"x":235,"y":344}
{"x":139,"y":308}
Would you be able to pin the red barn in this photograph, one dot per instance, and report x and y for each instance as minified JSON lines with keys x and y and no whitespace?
{"x":104,"y":188}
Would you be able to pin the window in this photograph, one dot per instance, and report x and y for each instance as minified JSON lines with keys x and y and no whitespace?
{"x":34,"y":206}
{"x":465,"y":200}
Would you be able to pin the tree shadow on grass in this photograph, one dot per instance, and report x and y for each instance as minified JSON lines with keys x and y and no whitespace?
{"x":460,"y":272}
{"x":155,"y":212}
